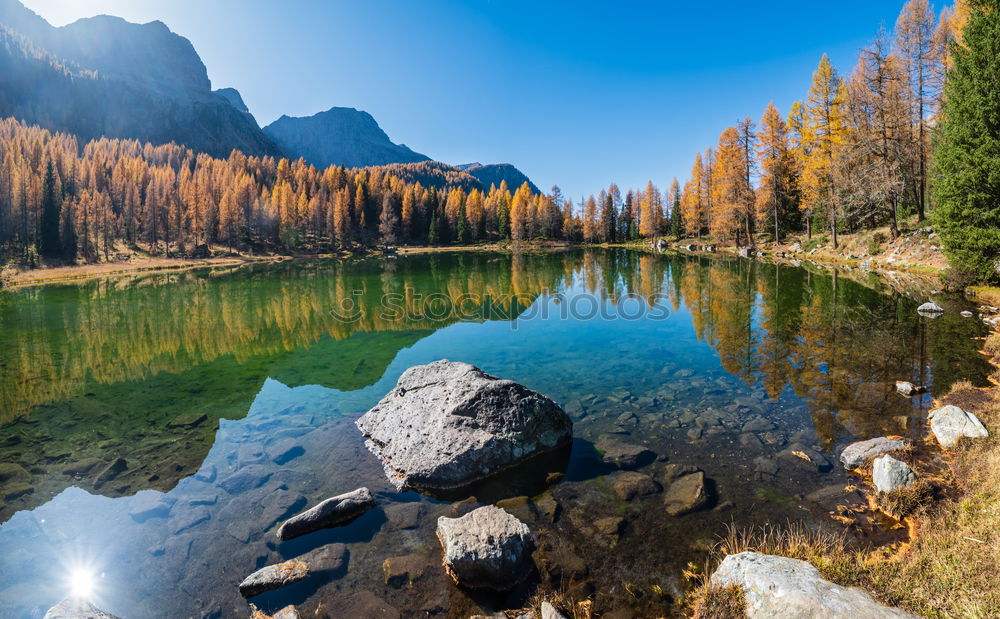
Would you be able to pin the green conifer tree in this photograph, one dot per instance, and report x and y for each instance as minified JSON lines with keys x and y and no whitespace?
{"x":967,"y":149}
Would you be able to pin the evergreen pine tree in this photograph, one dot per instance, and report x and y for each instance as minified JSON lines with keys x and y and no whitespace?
{"x":676,"y":220}
{"x":462,"y":227}
{"x":49,"y":241}
{"x":967,"y":153}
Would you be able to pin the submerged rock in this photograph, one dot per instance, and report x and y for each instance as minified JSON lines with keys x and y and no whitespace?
{"x":628,"y":485}
{"x":151,"y":505}
{"x":807,"y":457}
{"x":77,"y":608}
{"x":781,"y":587}
{"x":856,"y":454}
{"x":111,"y":471}
{"x":486,"y":548}
{"x":448,"y":424}
{"x":402,"y":571}
{"x":247,"y":478}
{"x":330,"y":513}
{"x":273,"y":577}
{"x":889,"y":474}
{"x":686,"y":494}
{"x":328,"y":558}
{"x":624,"y":455}
{"x":950,"y":423}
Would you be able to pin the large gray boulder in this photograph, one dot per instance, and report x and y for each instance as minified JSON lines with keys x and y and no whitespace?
{"x":486,"y":548}
{"x":330,"y":513}
{"x":950,"y":423}
{"x":447,"y":424}
{"x":77,"y":608}
{"x":890,"y":474}
{"x":856,"y":454}
{"x":791,"y":589}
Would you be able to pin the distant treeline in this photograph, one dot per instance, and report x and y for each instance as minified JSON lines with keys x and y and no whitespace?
{"x":59,"y":200}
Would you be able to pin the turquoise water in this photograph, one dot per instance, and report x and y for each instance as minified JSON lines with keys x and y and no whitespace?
{"x":127,"y":403}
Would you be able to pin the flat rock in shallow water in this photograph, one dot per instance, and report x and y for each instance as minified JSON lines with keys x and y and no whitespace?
{"x":330,"y":513}
{"x":77,"y":608}
{"x":151,"y":505}
{"x":788,"y":588}
{"x":448,"y":424}
{"x":486,"y":548}
{"x":628,"y":485}
{"x":328,"y":558}
{"x":247,"y":478}
{"x":686,"y":494}
{"x":890,"y":474}
{"x":856,"y":454}
{"x":624,"y":455}
{"x":273,"y":577}
{"x":807,"y":457}
{"x":950,"y":423}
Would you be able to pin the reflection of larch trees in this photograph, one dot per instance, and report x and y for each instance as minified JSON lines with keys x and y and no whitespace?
{"x":58,"y":338}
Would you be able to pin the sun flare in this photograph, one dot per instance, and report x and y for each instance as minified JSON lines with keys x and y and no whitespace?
{"x":82,"y":583}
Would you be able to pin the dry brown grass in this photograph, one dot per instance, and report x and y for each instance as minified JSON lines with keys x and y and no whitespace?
{"x":721,"y":603}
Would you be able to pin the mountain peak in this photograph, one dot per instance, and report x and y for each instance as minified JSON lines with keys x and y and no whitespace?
{"x":342,"y":136}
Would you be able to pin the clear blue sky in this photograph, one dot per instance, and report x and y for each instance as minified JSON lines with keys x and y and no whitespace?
{"x":573,"y":93}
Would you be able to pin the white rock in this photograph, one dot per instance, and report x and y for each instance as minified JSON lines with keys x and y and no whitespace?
{"x":889,"y":474}
{"x":77,"y":608}
{"x":549,"y":612}
{"x":930,"y":308}
{"x":791,"y":589}
{"x":950,"y":423}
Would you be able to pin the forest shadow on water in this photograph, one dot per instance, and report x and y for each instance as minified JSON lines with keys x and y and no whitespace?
{"x":156,"y":429}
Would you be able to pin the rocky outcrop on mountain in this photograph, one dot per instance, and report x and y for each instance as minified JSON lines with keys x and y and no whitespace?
{"x":234,"y":98}
{"x":340,"y":136}
{"x":496,"y":173}
{"x":104,"y":76}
